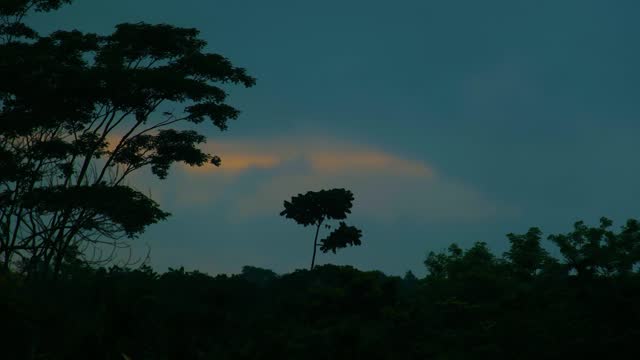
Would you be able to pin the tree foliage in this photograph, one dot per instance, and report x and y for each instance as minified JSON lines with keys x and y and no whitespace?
{"x":472,"y":304}
{"x":80,"y":112}
{"x":592,"y":251}
{"x":316,"y":207}
{"x":341,"y":237}
{"x":527,"y":254}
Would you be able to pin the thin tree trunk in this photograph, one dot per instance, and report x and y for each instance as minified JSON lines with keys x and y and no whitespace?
{"x":315,"y":245}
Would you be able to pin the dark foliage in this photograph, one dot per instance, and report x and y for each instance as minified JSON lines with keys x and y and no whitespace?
{"x":471,"y":305}
{"x":79,"y":113}
{"x":316,"y":207}
{"x":341,"y":237}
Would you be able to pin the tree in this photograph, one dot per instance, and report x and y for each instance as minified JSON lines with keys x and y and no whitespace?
{"x":315,"y":207}
{"x":592,"y":251}
{"x":80,"y":113}
{"x":459,"y":264}
{"x":438,"y":264}
{"x":526,"y":255}
{"x":258,"y":276}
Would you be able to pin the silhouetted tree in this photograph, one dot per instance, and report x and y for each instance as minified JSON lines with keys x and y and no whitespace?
{"x":592,"y":251}
{"x":526,"y":254}
{"x":258,"y":275}
{"x":315,"y":207}
{"x":438,"y":264}
{"x":81,"y":112}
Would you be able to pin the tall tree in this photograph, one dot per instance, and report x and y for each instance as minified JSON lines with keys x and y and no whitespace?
{"x":316,"y":207}
{"x":80,"y":113}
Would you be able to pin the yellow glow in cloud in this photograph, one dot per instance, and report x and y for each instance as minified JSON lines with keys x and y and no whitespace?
{"x":387,"y":186}
{"x":339,"y":162}
{"x":238,"y":162}
{"x":323,"y":155}
{"x":329,"y":163}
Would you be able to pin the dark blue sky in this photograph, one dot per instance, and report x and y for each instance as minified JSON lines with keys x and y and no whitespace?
{"x":450,"y":120}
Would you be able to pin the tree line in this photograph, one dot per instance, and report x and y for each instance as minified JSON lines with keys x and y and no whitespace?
{"x":472,"y":304}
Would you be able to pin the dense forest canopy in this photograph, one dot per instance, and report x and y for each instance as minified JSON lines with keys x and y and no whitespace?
{"x":473,"y":304}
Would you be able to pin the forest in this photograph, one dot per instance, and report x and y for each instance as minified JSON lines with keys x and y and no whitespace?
{"x":81,"y":112}
{"x":472,"y":304}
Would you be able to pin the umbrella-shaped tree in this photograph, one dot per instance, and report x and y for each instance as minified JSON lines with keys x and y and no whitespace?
{"x":316,"y":207}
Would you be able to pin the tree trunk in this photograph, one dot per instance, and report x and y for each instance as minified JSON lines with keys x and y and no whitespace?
{"x":315,"y":245}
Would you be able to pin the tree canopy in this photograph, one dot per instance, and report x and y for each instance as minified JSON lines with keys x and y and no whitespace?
{"x":472,"y":304}
{"x":80,"y":112}
{"x":316,"y":207}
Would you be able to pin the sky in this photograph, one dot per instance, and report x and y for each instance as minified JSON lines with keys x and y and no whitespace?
{"x":451,"y":121}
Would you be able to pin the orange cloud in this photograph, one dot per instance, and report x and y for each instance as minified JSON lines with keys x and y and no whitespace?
{"x":387,"y":186}
{"x":238,"y":162}
{"x":338,"y":162}
{"x":323,"y":156}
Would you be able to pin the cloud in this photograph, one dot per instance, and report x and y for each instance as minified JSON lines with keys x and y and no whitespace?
{"x":323,"y":155}
{"x":236,"y":163}
{"x":258,"y":175}
{"x":336,"y":162}
{"x":382,"y":197}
